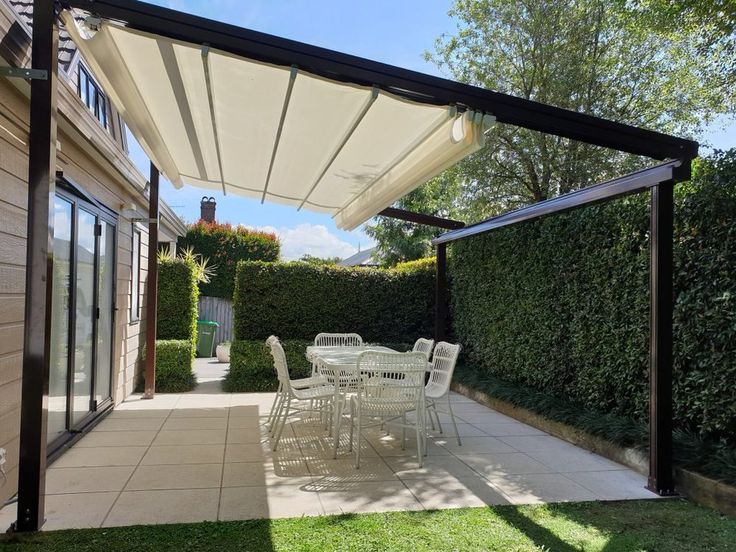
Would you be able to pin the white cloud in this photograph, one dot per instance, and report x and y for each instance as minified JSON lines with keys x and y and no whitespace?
{"x":311,"y":239}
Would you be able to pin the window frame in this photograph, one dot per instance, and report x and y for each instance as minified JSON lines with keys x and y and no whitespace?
{"x":92,"y":95}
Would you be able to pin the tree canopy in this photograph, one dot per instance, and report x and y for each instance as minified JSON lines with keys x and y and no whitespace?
{"x":591,"y":56}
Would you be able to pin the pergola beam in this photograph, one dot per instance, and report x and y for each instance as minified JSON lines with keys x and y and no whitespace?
{"x":421,"y":218}
{"x":403,"y":82}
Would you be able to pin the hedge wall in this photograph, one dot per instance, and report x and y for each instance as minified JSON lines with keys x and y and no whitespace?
{"x":225,"y":245}
{"x":562,"y":304}
{"x":251,"y":365}
{"x":178,"y":297}
{"x":299,"y":300}
{"x":174,"y":366}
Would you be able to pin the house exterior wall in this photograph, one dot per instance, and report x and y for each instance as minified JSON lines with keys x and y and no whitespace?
{"x":96,"y":160}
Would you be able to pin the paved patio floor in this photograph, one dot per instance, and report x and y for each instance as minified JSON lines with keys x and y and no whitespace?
{"x":206,"y":455}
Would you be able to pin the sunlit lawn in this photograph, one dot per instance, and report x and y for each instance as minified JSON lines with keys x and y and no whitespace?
{"x":666,"y":525}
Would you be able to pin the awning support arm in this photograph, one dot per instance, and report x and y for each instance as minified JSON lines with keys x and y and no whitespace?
{"x":282,"y":120}
{"x":210,"y":98}
{"x":421,"y":218}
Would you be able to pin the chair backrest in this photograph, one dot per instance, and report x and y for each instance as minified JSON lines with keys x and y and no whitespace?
{"x":392,"y":376}
{"x":443,"y":366}
{"x":338,"y":340}
{"x":423,"y":345}
{"x":279,"y":360}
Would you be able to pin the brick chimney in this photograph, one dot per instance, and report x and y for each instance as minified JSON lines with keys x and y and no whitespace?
{"x":207,"y":209}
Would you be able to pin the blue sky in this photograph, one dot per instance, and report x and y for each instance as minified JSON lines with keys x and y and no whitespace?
{"x":396,"y":32}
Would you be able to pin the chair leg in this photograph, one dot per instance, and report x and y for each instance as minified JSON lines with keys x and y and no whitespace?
{"x":357,"y":449}
{"x":273,"y":406}
{"x":431,"y":420}
{"x":277,"y":414}
{"x":436,"y":415}
{"x":352,"y":427}
{"x":283,"y":423}
{"x":336,"y":440}
{"x":420,"y":439}
{"x":403,"y":431}
{"x":452,"y":417}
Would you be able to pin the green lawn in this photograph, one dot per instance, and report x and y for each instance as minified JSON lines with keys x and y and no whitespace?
{"x":670,"y":526}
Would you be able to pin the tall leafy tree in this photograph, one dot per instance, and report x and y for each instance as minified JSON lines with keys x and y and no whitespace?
{"x":590,"y":56}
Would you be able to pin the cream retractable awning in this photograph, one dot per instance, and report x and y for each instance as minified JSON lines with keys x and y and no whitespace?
{"x":214,"y":120}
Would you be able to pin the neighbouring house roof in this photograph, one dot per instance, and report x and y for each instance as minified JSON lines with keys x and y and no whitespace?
{"x":361,"y":258}
{"x":67,"y":48}
{"x":214,"y":120}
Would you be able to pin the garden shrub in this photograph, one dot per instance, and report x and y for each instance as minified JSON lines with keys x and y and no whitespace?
{"x":251,"y":364}
{"x":299,"y":300}
{"x":225,"y":245}
{"x":561,"y":305}
{"x":174,"y":366}
{"x":178,"y":297}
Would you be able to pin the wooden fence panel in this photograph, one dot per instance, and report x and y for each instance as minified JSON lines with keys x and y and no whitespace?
{"x":221,"y":311}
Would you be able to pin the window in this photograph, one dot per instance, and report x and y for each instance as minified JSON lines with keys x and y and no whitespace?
{"x":135,"y":276}
{"x":92,"y":95}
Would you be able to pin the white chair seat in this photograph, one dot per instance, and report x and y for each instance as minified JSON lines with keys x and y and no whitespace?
{"x":312,"y":381}
{"x":313,"y":393}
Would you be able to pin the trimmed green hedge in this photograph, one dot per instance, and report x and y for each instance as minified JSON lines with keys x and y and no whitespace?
{"x":178,"y":297}
{"x":174,"y":366}
{"x":225,"y":245}
{"x":561,"y":305}
{"x":251,"y":364}
{"x":299,"y":300}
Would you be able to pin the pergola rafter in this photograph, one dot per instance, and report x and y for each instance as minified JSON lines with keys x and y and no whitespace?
{"x":337,"y":67}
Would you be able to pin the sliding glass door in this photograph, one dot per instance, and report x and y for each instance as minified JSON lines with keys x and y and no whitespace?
{"x":83,"y":311}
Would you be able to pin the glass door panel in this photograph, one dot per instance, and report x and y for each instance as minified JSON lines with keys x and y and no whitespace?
{"x":85,"y":316}
{"x":105,"y":290}
{"x":60,"y":302}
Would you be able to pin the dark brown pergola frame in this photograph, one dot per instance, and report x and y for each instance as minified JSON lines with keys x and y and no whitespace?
{"x":340,"y":67}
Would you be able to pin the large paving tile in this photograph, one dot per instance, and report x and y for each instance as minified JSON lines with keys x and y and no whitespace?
{"x":119,"y":414}
{"x":130,"y":424}
{"x":87,"y":479}
{"x":246,"y":422}
{"x":537,"y":443}
{"x":463,"y":429}
{"x":492,"y":464}
{"x":565,"y":460}
{"x":437,"y":494}
{"x":490,"y":417}
{"x":195,"y":423}
{"x":475,"y":444}
{"x":77,"y":511}
{"x":376,"y":496}
{"x":186,"y":476}
{"x":252,"y":452}
{"x":249,"y":411}
{"x":342,"y":473}
{"x":256,"y":474}
{"x":190,"y":437}
{"x":101,"y":456}
{"x":184,"y":454}
{"x":614,"y":485}
{"x":538,"y":488}
{"x":268,"y":502}
{"x":246,"y":435}
{"x":8,"y":515}
{"x":390,"y":445}
{"x":433,"y":467}
{"x":211,"y":412}
{"x":117,"y":438}
{"x":508,"y":429}
{"x":164,"y":506}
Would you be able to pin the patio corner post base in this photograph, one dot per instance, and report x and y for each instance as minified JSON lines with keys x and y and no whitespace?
{"x":661,"y":477}
{"x":149,"y":385}
{"x":39,"y":270}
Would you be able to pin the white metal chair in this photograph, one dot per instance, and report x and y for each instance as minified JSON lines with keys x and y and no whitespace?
{"x":391,"y":385}
{"x":289,"y":394}
{"x":438,"y":386}
{"x":301,"y":383}
{"x":338,"y":340}
{"x":425,"y":346}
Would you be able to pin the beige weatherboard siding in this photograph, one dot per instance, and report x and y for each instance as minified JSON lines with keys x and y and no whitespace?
{"x":95,"y":159}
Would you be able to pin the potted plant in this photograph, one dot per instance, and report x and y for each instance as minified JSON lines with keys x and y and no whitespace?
{"x":223,"y":352}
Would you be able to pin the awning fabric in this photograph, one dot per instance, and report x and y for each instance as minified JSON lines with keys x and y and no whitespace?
{"x":214,"y":120}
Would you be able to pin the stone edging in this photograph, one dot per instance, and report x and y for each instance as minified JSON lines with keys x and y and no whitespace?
{"x":698,"y":488}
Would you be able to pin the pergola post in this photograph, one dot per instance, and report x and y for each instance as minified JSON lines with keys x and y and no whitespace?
{"x":149,"y":387}
{"x":39,"y":270}
{"x":440,"y":316}
{"x":660,"y":346}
